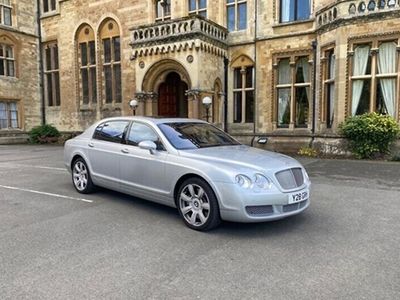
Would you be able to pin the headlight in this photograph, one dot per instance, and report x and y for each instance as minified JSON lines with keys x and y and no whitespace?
{"x":262,"y":182}
{"x":259,"y":182}
{"x":244,"y":181}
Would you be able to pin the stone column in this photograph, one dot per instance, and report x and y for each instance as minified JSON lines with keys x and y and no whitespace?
{"x":151,"y":104}
{"x":193,"y":103}
{"x":141,"y":98}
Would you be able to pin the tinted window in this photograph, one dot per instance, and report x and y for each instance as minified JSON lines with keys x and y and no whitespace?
{"x":111,"y":131}
{"x":195,"y":135}
{"x":141,"y":132}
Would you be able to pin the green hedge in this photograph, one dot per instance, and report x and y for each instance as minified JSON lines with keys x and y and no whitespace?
{"x":44,"y":134}
{"x":371,"y":134}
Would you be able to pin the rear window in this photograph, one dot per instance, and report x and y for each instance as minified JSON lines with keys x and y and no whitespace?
{"x":111,"y":131}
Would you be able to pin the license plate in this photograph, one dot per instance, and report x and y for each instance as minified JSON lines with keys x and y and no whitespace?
{"x":298,"y":196}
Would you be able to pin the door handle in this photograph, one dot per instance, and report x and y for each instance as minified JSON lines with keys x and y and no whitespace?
{"x":91,"y":145}
{"x":124,"y":150}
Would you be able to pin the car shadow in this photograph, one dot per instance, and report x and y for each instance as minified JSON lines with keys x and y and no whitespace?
{"x":240,"y":230}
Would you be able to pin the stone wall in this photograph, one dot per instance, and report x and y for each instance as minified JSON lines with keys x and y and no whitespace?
{"x":24,"y":88}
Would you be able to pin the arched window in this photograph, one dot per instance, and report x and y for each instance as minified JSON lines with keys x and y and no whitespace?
{"x":111,"y":60}
{"x":243,"y":90}
{"x":87,"y":65}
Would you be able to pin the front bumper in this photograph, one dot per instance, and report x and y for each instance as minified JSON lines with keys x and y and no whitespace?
{"x":239,"y":205}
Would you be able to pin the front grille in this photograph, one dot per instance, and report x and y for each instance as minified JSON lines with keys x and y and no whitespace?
{"x":260,"y":210}
{"x":294,"y":206}
{"x":291,"y":178}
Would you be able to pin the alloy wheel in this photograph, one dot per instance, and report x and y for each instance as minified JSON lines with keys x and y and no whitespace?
{"x":80,"y":176}
{"x":194,"y":204}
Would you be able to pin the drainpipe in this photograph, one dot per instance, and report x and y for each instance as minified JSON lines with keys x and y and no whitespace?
{"x":255,"y":115}
{"x":226,"y":63}
{"x":41,"y":74}
{"x":314,"y":45}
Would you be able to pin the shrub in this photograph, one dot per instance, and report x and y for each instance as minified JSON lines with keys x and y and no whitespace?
{"x":44,"y":134}
{"x":308,"y":151}
{"x":370,"y":134}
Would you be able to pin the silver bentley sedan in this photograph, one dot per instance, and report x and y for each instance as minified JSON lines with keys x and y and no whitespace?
{"x":188,"y":164}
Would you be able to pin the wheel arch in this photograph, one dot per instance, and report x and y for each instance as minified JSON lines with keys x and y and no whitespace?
{"x":194,"y":175}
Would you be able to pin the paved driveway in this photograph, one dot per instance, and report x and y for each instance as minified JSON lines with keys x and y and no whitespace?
{"x":57,"y":244}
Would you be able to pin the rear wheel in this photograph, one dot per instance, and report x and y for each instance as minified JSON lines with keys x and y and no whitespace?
{"x":81,"y":177}
{"x":198,"y":205}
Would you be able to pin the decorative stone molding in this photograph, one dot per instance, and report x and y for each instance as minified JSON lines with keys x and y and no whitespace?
{"x":193,"y":32}
{"x":339,"y":12}
{"x":146,"y":96}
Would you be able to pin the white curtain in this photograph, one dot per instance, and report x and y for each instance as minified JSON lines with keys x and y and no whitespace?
{"x":285,"y":10}
{"x":284,"y":77}
{"x":360,"y":62}
{"x":303,"y":63}
{"x":332,"y":68}
{"x":3,"y":115}
{"x":283,"y":104}
{"x":387,"y":65}
{"x":14,"y":115}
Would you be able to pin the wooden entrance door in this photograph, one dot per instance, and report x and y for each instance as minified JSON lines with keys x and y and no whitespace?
{"x":171,"y":97}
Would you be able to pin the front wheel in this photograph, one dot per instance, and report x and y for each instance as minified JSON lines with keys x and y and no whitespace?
{"x":198,"y":205}
{"x":81,"y":177}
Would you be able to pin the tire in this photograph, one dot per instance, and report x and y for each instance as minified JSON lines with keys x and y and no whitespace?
{"x":198,"y":205}
{"x":81,"y":178}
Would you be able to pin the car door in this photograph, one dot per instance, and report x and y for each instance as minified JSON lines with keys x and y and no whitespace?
{"x":143,"y":171}
{"x":105,"y":151}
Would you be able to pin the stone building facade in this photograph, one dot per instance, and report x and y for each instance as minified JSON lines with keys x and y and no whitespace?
{"x":289,"y":69}
{"x":20,"y":105}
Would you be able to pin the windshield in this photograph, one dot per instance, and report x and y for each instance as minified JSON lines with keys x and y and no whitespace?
{"x":185,"y":136}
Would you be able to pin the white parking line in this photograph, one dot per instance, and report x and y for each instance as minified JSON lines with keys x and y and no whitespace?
{"x":44,"y":193}
{"x":36,"y":167}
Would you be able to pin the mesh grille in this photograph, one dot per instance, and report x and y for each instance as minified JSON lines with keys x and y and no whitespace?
{"x":260,"y":210}
{"x":290,"y":207}
{"x":290,"y":178}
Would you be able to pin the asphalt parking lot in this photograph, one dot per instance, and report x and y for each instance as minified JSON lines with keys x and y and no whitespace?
{"x":58,"y":244}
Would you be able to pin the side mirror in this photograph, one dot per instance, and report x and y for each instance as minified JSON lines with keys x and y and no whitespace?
{"x":148,"y":145}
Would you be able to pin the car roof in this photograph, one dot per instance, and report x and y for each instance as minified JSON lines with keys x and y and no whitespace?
{"x":154,"y":120}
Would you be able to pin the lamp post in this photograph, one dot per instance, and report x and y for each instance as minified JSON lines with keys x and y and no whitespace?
{"x":133,"y":104}
{"x":207,"y":101}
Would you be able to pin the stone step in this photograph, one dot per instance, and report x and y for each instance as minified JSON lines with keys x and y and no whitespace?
{"x":8,"y":138}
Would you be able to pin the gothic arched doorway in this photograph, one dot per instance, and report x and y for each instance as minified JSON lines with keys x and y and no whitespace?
{"x":172,"y":101}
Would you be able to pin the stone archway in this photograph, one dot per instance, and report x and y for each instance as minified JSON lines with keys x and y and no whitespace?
{"x":169,"y":80}
{"x":172,"y":101}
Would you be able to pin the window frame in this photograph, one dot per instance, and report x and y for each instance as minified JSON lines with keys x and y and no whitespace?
{"x":113,"y":64}
{"x":198,"y":10}
{"x":235,"y":4}
{"x":328,"y":53}
{"x":374,"y":42}
{"x":7,"y":60}
{"x":164,"y":16}
{"x":295,"y":19}
{"x":54,"y":71}
{"x":3,"y":6}
{"x":124,"y":133}
{"x":293,"y":86}
{"x":50,"y":8}
{"x":243,"y":90}
{"x":9,"y":114}
{"x":160,"y":145}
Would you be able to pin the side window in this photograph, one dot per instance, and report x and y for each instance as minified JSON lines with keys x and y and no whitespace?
{"x":141,"y":132}
{"x":111,"y":131}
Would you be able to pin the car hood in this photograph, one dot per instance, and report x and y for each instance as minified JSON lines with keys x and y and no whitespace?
{"x":242,"y":156}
